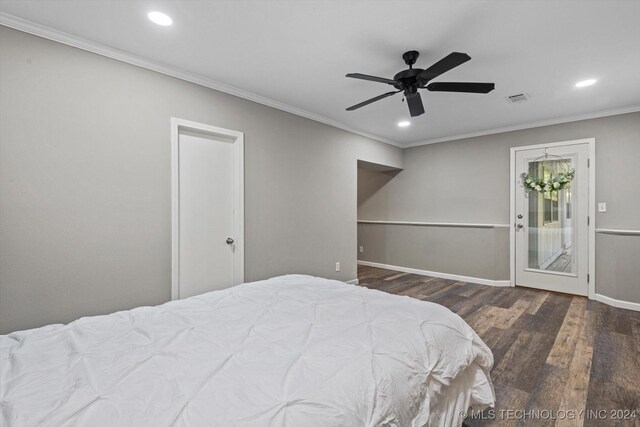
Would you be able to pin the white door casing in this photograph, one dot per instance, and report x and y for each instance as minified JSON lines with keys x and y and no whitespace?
{"x":207,"y":208}
{"x":540,"y":240}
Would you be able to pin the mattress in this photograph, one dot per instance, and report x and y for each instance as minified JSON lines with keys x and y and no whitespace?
{"x":289,"y":351}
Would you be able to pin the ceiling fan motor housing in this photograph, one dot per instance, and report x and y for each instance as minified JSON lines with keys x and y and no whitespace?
{"x":410,"y":90}
{"x":407,"y":78}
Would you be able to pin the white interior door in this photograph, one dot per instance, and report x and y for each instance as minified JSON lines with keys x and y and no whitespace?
{"x":551,"y":228}
{"x":206,"y":196}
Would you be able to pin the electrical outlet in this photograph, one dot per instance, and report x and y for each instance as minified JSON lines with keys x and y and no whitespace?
{"x":337,"y":266}
{"x":361,"y":249}
{"x":602,"y":207}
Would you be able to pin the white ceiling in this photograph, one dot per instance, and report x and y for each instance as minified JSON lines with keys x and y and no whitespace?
{"x":297,"y":53}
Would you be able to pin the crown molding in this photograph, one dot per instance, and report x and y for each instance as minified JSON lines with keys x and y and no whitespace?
{"x":523,"y":126}
{"x":43,"y":31}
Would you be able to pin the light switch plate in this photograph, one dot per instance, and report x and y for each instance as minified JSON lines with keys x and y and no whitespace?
{"x":602,"y":207}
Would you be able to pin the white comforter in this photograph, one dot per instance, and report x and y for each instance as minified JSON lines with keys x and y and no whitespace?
{"x":289,"y":351}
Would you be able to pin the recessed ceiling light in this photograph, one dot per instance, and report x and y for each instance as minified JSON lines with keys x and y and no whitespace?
{"x":403,"y":124}
{"x":160,"y":18}
{"x":584,"y":83}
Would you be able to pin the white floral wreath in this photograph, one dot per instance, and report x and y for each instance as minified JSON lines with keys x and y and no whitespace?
{"x":553,"y":183}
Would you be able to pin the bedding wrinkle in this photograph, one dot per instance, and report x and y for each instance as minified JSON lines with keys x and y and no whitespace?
{"x":54,"y":421}
{"x":204,"y":383}
{"x":292,"y":351}
{"x":374,"y":380}
{"x":299,"y":356}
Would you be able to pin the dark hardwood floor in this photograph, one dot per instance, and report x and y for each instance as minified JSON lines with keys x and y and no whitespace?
{"x":553,"y":352}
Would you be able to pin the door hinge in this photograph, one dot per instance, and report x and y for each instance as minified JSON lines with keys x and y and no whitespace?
{"x":588,"y":278}
{"x":588,"y":220}
{"x":588,"y":163}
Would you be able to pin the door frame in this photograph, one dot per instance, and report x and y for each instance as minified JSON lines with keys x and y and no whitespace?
{"x":237,"y":138}
{"x":591,"y":207}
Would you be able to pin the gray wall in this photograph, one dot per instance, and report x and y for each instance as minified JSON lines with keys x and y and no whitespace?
{"x":473,"y":252}
{"x":85,"y":189}
{"x":468,"y":181}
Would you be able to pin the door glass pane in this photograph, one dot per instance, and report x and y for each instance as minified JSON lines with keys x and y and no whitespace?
{"x":550,"y":231}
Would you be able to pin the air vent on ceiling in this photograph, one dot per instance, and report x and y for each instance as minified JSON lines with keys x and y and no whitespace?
{"x":516,"y":99}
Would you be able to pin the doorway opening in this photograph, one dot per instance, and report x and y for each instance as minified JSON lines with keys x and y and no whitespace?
{"x":373,"y":211}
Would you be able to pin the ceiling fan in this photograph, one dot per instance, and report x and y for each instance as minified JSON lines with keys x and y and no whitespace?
{"x":409,"y":81}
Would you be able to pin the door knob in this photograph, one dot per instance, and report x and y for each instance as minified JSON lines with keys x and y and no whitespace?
{"x":229,"y":241}
{"x":519,"y":216}
{"x":519,"y":225}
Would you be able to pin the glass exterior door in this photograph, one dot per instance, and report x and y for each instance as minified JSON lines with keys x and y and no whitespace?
{"x":551,"y":226}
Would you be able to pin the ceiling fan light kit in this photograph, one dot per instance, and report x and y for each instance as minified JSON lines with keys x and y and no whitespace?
{"x":411,"y":80}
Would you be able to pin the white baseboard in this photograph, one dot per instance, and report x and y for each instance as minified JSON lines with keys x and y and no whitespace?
{"x":628,"y":305}
{"x":456,"y":277}
{"x":617,"y":303}
{"x":352,"y":282}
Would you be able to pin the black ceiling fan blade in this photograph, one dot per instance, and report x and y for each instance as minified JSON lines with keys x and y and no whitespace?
{"x":461,"y":87}
{"x":369,"y":101}
{"x":445,"y":64}
{"x":371,"y":78}
{"x":415,"y":104}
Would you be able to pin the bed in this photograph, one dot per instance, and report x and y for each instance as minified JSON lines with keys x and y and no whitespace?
{"x":289,"y":351}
